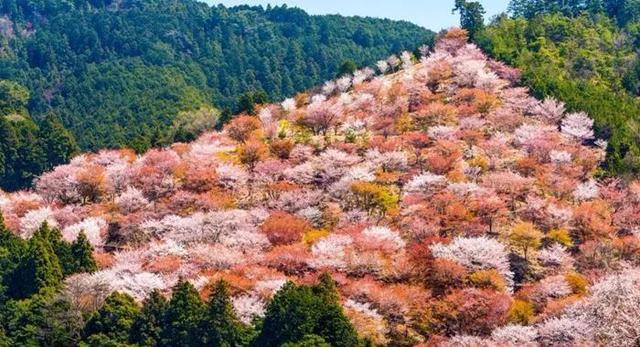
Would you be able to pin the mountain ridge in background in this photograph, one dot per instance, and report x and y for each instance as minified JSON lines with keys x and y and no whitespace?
{"x":117,"y":73}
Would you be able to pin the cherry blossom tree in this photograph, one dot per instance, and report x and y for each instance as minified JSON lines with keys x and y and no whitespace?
{"x":578,"y":126}
{"x":476,"y":254}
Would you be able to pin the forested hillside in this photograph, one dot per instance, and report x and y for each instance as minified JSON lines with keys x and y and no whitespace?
{"x":119,"y":73}
{"x":584,"y":52}
{"x":435,"y":203}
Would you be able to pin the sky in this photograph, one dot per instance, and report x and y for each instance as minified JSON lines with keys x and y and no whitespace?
{"x":431,"y":14}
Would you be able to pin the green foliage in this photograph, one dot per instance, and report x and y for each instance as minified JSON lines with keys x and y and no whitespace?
{"x":60,"y":247}
{"x":39,"y":268}
{"x":60,"y":323}
{"x":12,"y":249}
{"x":112,"y":322}
{"x":184,"y":316}
{"x":308,"y":341}
{"x":189,"y":124}
{"x":221,"y":326}
{"x":587,"y":62}
{"x":58,"y":144}
{"x":82,"y":255}
{"x":348,"y":67}
{"x":471,"y":16}
{"x":13,"y":97}
{"x":374,"y":198}
{"x":27,"y":150}
{"x":147,"y":328}
{"x":38,"y":265}
{"x":23,"y":157}
{"x":623,"y":11}
{"x":299,"y":311}
{"x":247,"y":101}
{"x":118,"y":73}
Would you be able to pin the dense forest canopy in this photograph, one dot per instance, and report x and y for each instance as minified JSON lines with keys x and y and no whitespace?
{"x":118,"y":73}
{"x":583,"y":52}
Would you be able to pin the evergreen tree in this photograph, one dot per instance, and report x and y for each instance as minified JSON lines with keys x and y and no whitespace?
{"x":5,"y":341}
{"x":61,"y":248}
{"x":471,"y":16}
{"x":348,"y":67}
{"x":299,"y":311}
{"x":221,"y":326}
{"x":82,"y":253}
{"x":13,"y":98}
{"x":58,"y":142}
{"x":24,"y":157}
{"x":332,"y":324}
{"x":12,"y":249}
{"x":39,"y":269}
{"x":23,"y":318}
{"x":246,"y":103}
{"x":147,"y":328}
{"x":113,"y":321}
{"x":8,"y":147}
{"x":183,"y":318}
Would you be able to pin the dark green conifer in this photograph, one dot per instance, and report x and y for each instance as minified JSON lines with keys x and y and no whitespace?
{"x":82,"y":253}
{"x":113,"y":321}
{"x":183,"y":318}
{"x":299,"y":311}
{"x":221,"y":326}
{"x":147,"y":328}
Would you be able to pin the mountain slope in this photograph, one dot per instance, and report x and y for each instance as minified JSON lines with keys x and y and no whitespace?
{"x":118,"y":72}
{"x":584,"y":53}
{"x":450,"y":206}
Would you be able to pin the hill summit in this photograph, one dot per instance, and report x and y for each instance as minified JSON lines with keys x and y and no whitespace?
{"x":450,"y":207}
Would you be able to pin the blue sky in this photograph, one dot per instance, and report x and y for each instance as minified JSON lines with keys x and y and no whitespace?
{"x":432,"y":14}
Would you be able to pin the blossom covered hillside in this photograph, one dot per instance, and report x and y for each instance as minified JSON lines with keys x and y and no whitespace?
{"x":450,"y":207}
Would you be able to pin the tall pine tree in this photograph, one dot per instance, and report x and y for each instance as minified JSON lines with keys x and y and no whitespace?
{"x":297,"y":312}
{"x":82,"y":254}
{"x":221,"y":326}
{"x":39,"y":267}
{"x":58,"y":143}
{"x":183,"y":317}
{"x":113,"y":321}
{"x":147,"y":328}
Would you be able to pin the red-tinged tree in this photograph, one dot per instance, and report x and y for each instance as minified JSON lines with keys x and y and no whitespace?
{"x":592,"y":219}
{"x":415,"y":142}
{"x":470,"y":311}
{"x":91,"y":183}
{"x":383,"y":125}
{"x":511,"y":184}
{"x":251,"y":152}
{"x":444,"y":276}
{"x":435,"y":114}
{"x":199,"y":178}
{"x":284,"y":228}
{"x":452,"y":40}
{"x":440,"y":73}
{"x":490,"y":208}
{"x":441,"y":158}
{"x":628,"y":248}
{"x":281,"y":148}
{"x":596,"y":256}
{"x":290,"y":259}
{"x":241,"y":128}
{"x":420,"y":254}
